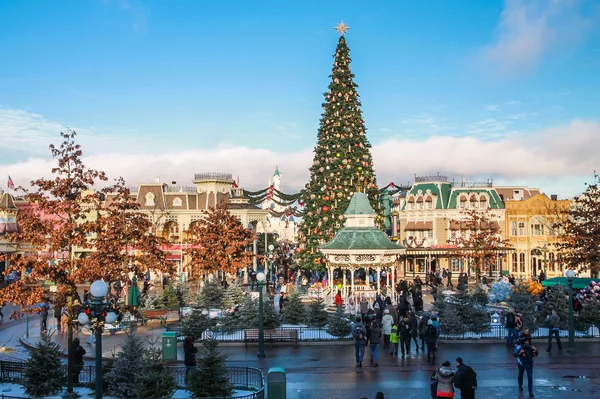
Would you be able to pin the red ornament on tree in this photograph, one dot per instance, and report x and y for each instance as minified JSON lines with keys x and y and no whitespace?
{"x":325,"y":208}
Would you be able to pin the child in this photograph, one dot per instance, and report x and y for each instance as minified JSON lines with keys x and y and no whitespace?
{"x":394,"y":340}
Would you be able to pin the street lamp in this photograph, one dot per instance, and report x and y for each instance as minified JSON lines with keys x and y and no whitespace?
{"x":98,"y":312}
{"x":570,"y":274}
{"x":271,"y":248}
{"x":260,"y":277}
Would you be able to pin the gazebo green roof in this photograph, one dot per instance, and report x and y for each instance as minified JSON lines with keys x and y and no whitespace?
{"x":361,"y":238}
{"x":360,"y":205}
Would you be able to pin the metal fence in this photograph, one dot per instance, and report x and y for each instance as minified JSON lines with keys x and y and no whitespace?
{"x":243,"y":378}
{"x":500,"y":332}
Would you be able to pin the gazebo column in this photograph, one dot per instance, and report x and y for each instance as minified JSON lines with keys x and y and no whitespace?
{"x":393,"y":283}
{"x":344,"y":287}
{"x":378,"y":279}
{"x":352,"y":283}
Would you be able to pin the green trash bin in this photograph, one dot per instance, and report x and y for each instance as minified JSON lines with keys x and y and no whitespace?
{"x":276,"y":383}
{"x":169,"y":345}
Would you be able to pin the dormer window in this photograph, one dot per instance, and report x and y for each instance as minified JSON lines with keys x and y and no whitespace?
{"x":150,"y":199}
{"x":177,"y":202}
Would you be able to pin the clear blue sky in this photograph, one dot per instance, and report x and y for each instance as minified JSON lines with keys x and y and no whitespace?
{"x":154,"y":77}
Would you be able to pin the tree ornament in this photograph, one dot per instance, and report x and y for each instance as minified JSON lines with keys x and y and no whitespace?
{"x":325,"y":208}
{"x":338,"y":155}
{"x":359,"y":168}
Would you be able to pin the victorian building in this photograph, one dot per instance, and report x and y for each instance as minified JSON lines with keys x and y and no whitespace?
{"x":278,"y":222}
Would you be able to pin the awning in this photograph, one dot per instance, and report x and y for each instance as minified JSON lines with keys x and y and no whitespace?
{"x":173,"y":257}
{"x":410,"y":226}
{"x":424,"y":226}
{"x":578,"y":282}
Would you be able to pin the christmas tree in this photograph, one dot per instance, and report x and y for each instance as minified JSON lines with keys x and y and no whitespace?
{"x":126,"y":368}
{"x":155,"y":380}
{"x":44,"y":374}
{"x":294,"y":312}
{"x":317,"y":315}
{"x":339,"y":325}
{"x":232,"y":296}
{"x":210,"y":379}
{"x":523,"y":302}
{"x":211,"y":295}
{"x":342,"y":162}
{"x":556,"y":298}
{"x":169,"y":299}
{"x":195,"y":324}
{"x":246,"y":316}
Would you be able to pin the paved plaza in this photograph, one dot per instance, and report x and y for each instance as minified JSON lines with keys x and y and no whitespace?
{"x":327,"y":371}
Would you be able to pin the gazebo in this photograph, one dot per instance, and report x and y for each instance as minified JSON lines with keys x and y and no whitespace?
{"x":360,"y":244}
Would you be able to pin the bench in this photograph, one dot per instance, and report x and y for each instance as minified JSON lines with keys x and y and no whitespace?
{"x":11,"y":371}
{"x":162,"y":315}
{"x":287,"y":335}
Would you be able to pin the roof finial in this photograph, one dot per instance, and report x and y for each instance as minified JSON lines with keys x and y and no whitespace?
{"x":342,"y":28}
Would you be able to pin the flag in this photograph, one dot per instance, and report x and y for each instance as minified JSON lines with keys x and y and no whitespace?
{"x":11,"y":184}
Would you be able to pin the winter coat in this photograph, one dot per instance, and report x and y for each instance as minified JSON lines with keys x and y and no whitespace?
{"x":338,"y":300}
{"x":553,"y":321}
{"x":511,"y":321}
{"x":394,"y":335}
{"x":189,"y":350}
{"x":422,"y":328}
{"x":364,"y":331}
{"x":374,"y":335}
{"x":364,"y":307}
{"x":393,"y":312}
{"x":78,"y":352}
{"x":525,"y":355}
{"x":386,"y":324}
{"x":414,"y":326}
{"x":431,"y":335}
{"x":404,"y":330}
{"x":445,"y":378}
{"x":465,"y":378}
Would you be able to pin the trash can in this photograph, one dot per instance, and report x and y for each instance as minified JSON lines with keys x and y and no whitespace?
{"x":169,"y":345}
{"x":276,"y":383}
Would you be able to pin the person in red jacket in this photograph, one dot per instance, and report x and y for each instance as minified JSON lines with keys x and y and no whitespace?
{"x":338,"y":299}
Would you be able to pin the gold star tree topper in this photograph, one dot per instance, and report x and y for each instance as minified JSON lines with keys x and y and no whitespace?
{"x":342,"y":28}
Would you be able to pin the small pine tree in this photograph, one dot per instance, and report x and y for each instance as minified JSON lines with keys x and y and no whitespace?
{"x":170,"y":300}
{"x":339,"y":325}
{"x":232,"y":296}
{"x":317,"y":315}
{"x":556,"y":298}
{"x":524,"y":303}
{"x":294,"y":311}
{"x":182,"y":290}
{"x":126,"y":368}
{"x":589,"y":314}
{"x":44,"y":374}
{"x":195,"y":324}
{"x":210,"y":378}
{"x":211,"y":295}
{"x":247,"y":316}
{"x":155,"y":380}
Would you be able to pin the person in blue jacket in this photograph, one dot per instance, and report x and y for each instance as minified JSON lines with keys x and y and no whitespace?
{"x":525,"y":353}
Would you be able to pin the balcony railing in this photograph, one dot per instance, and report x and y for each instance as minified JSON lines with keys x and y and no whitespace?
{"x":213,"y":176}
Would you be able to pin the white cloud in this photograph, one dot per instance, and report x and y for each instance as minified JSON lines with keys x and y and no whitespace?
{"x":492,"y":108}
{"x":557,"y":159}
{"x":528,"y":29}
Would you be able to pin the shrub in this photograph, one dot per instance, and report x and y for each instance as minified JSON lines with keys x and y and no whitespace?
{"x":44,"y":374}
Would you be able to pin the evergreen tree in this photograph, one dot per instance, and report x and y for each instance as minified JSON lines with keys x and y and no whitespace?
{"x":556,"y":298}
{"x":463,"y":312}
{"x":294,"y":311}
{"x":342,"y":162}
{"x":182,"y":290}
{"x":44,"y":374}
{"x":589,"y":314}
{"x":317,"y":315}
{"x":232,"y":296}
{"x":211,"y":295}
{"x":170,"y":300}
{"x":524,"y":303}
{"x":247,"y":316}
{"x":195,"y":324}
{"x":339,"y":325}
{"x":155,"y":380}
{"x":126,"y":368}
{"x":210,"y":378}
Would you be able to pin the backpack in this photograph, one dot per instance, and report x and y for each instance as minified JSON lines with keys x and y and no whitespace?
{"x":359,"y":334}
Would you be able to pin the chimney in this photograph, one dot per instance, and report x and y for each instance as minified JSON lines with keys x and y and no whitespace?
{"x":554,"y":197}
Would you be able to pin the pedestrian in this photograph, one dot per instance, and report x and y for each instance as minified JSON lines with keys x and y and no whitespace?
{"x":338,"y":300}
{"x":553,"y":321}
{"x":379,"y":395}
{"x":465,"y":379}
{"x":445,"y":377}
{"x":359,"y":333}
{"x":64,"y":321}
{"x":374,"y":339}
{"x":450,"y":278}
{"x":518,"y":323}
{"x":77,"y":353}
{"x":511,"y":324}
{"x":378,"y":312}
{"x":423,"y":330}
{"x":394,"y":339}
{"x":57,"y":313}
{"x":525,"y":354}
{"x":525,"y":334}
{"x":431,"y":337}
{"x":414,"y":328}
{"x":2,"y":307}
{"x":189,"y":353}
{"x":44,"y":317}
{"x":405,"y":336}
{"x":364,"y":307}
{"x":386,"y":326}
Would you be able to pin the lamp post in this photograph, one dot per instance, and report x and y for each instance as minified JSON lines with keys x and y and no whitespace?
{"x":271,"y":248}
{"x":260,"y":277}
{"x":570,"y":274}
{"x":98,"y":312}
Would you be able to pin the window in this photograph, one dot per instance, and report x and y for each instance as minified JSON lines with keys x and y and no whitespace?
{"x":150,"y":199}
{"x":177,"y":202}
{"x":521,"y":228}
{"x":551,"y":262}
{"x":430,"y":234}
{"x":537,"y":229}
{"x":513,"y":231}
{"x":514,"y":263}
{"x":522,"y":262}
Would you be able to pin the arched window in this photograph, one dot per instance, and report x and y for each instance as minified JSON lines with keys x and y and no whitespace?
{"x":514,"y":262}
{"x":521,"y":228}
{"x":150,"y":199}
{"x":177,"y":202}
{"x":513,"y":229}
{"x":551,"y":261}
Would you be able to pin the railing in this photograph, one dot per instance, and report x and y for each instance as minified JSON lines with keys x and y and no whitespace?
{"x":499,"y":332}
{"x":305,"y":334}
{"x":246,"y":378}
{"x":213,"y":176}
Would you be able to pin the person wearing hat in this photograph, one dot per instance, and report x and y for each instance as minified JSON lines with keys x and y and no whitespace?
{"x":387,"y":321}
{"x":431,"y":337}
